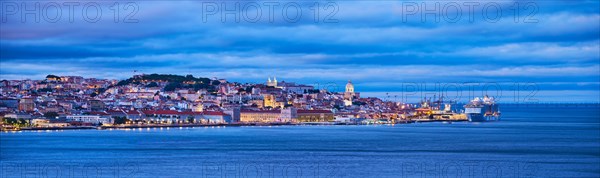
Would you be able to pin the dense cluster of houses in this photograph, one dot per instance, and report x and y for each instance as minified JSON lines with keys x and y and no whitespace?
{"x":58,"y":101}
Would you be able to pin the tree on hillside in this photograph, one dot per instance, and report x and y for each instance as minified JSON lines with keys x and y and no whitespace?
{"x":52,"y":77}
{"x":152,"y":84}
{"x":172,"y":86}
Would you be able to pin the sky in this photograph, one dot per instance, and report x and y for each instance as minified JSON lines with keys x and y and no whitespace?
{"x":381,"y":46}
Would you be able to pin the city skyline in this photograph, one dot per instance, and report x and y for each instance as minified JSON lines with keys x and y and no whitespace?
{"x":413,"y":92}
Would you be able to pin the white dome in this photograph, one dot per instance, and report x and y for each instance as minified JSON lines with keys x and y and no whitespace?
{"x":349,"y":86}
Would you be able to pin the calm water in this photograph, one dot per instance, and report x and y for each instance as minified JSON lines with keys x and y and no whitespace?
{"x":542,"y":141}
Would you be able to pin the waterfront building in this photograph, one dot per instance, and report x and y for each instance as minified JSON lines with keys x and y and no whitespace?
{"x":289,"y":114}
{"x":162,"y":116}
{"x":189,"y":117}
{"x":54,"y":123}
{"x":18,"y":116}
{"x":177,"y":117}
{"x":315,"y":116}
{"x":40,"y":122}
{"x":90,"y":119}
{"x":234,"y":113}
{"x":134,"y":115}
{"x":216,"y":117}
{"x":265,"y":116}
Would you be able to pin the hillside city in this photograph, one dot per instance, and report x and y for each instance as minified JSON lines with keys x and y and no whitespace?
{"x":173,"y":100}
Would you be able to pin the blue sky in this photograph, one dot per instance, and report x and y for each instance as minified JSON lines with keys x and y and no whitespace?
{"x":367,"y":42}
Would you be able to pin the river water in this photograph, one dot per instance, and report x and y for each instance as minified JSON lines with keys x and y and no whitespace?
{"x":529,"y":141}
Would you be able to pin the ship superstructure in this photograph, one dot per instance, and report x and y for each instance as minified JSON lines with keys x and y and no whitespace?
{"x":482,"y":110}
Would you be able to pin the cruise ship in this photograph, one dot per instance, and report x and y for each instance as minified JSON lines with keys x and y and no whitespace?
{"x":482,"y":110}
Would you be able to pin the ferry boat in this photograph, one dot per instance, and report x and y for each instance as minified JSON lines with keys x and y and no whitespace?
{"x":482,"y":110}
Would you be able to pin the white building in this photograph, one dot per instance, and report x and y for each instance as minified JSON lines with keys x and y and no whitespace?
{"x":90,"y":119}
{"x":272,"y":83}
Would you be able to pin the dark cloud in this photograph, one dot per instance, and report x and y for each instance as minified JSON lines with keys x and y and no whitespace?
{"x":369,"y":40}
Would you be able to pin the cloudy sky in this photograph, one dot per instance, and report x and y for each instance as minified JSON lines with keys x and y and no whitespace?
{"x":379,"y":45}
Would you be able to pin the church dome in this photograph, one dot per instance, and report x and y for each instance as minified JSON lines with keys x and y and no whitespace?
{"x":349,"y":86}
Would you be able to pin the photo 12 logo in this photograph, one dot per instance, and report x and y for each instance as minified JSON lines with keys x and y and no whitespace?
{"x":524,"y":92}
{"x":68,"y":11}
{"x":469,"y":11}
{"x":69,"y":169}
{"x":240,"y":168}
{"x":468,"y":169}
{"x":269,"y":11}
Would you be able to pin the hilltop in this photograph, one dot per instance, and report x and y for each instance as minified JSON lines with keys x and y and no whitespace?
{"x":172,"y":81}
